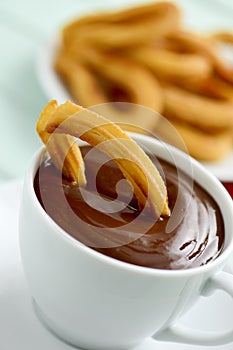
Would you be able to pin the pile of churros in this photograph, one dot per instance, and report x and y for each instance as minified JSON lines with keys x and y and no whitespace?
{"x":145,"y":56}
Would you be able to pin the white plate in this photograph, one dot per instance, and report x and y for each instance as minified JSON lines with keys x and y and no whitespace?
{"x":197,"y":16}
{"x":20,"y":328}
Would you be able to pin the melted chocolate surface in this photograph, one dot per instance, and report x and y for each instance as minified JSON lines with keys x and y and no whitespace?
{"x":105,"y":215}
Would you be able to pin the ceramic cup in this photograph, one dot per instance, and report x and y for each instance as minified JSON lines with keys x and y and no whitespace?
{"x":95,"y":302}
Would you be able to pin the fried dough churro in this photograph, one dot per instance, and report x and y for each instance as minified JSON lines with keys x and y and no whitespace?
{"x":124,"y":28}
{"x":197,"y":43}
{"x":198,"y":110}
{"x":168,"y":64}
{"x":201,"y":145}
{"x":63,"y":149}
{"x":144,"y":55}
{"x":141,"y":86}
{"x":211,"y":86}
{"x":69,"y":120}
{"x":223,"y":36}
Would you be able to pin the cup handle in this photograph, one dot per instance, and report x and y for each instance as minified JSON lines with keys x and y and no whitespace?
{"x":181,"y":334}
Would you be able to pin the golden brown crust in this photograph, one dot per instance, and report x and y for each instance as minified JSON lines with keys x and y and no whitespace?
{"x":63,"y":149}
{"x":135,"y":165}
{"x":168,"y":64}
{"x":201,"y":145}
{"x":124,"y":28}
{"x":198,"y":110}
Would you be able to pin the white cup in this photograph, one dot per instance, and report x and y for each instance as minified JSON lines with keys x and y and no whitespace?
{"x":93,"y":301}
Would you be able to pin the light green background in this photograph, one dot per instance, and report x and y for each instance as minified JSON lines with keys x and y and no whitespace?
{"x":24,"y":27}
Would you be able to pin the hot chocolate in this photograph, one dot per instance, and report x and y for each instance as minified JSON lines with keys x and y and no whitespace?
{"x":129,"y":234}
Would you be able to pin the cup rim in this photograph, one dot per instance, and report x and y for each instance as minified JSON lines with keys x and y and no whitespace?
{"x":115,"y":263}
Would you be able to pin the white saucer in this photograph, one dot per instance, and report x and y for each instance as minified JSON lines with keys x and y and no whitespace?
{"x":19,"y":327}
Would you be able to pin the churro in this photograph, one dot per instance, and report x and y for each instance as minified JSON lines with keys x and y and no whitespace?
{"x":198,"y":110}
{"x":63,"y":149}
{"x":124,"y":28}
{"x":212,"y":86}
{"x":136,"y":166}
{"x":201,"y":145}
{"x":202,"y":45}
{"x":141,"y":86}
{"x":222,"y":36}
{"x":168,"y":64}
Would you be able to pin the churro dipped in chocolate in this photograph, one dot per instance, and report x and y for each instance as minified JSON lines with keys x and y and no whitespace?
{"x":72,"y":120}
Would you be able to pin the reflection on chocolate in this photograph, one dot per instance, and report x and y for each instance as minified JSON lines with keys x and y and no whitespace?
{"x":128,"y":234}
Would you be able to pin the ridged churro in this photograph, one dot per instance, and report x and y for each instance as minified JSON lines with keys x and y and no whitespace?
{"x":123,"y":28}
{"x":136,"y":166}
{"x":63,"y":149}
{"x":198,"y":110}
{"x":201,"y":145}
{"x":168,"y":64}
